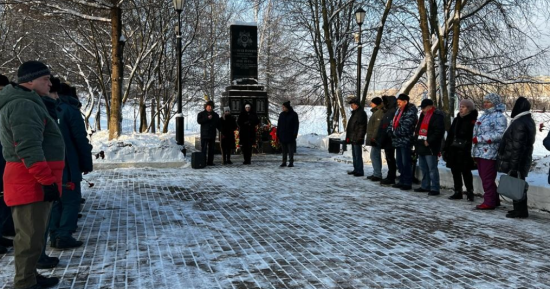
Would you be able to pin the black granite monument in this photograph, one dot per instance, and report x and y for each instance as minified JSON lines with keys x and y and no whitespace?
{"x":244,"y":72}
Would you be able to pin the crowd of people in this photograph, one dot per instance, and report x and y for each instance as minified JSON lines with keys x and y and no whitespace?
{"x":487,"y":143}
{"x":246,"y":125}
{"x":45,"y":152}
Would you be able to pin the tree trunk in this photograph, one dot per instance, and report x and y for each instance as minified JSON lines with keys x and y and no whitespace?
{"x":372,"y":61}
{"x":153,"y":130}
{"x":426,"y":41}
{"x":142,"y":115}
{"x":441,"y":40}
{"x":115,"y":119}
{"x":454,"y":55}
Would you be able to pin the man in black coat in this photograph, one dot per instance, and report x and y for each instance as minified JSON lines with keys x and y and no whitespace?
{"x":429,"y":136}
{"x":209,"y":121}
{"x":355,"y":135}
{"x":515,"y":151}
{"x":384,"y":139}
{"x":78,"y":161}
{"x":247,"y":121}
{"x":228,"y":126}
{"x":287,"y":132}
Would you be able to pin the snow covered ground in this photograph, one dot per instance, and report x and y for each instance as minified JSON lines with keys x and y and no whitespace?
{"x":311,"y":226}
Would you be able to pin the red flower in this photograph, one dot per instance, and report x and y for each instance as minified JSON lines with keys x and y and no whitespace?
{"x":479,"y":122}
{"x":489,"y":142}
{"x":474,"y":140}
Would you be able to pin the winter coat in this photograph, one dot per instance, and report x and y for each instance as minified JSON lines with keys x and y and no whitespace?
{"x":403,"y":135}
{"x":208,"y":126}
{"x":78,"y":150}
{"x":462,"y":129}
{"x":51,"y":105}
{"x":228,"y":126}
{"x":357,"y":127}
{"x":32,"y":146}
{"x":436,"y":132}
{"x":383,"y":138}
{"x":374,"y":124}
{"x":488,"y":130}
{"x":287,"y":126}
{"x":546,"y":144}
{"x":247,"y":122}
{"x":515,"y":151}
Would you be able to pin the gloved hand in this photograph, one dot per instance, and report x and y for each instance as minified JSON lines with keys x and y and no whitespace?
{"x":51,"y":193}
{"x":348,"y":141}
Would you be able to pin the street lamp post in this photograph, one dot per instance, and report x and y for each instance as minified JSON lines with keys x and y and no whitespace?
{"x":178,"y":6}
{"x":359,"y":17}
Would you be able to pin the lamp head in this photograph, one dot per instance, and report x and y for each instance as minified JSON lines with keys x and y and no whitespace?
{"x":359,"y":16}
{"x":178,"y":5}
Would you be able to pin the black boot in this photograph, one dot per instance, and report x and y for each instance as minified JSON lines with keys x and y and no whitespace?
{"x":456,"y":196}
{"x":470,"y":195}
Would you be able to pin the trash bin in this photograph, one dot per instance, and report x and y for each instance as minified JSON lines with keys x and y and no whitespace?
{"x":334,"y":145}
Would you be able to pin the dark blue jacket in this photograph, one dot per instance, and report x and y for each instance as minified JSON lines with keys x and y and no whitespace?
{"x":78,"y":150}
{"x":287,"y":126}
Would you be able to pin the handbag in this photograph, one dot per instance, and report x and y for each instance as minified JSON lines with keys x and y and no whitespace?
{"x":513,"y":188}
{"x":458,"y":143}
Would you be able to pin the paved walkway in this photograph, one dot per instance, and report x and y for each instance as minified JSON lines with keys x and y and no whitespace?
{"x":311,"y":226}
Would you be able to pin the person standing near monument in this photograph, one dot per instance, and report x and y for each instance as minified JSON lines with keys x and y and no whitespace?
{"x":228,"y":126}
{"x":287,"y":132}
{"x":247,"y":121}
{"x":34,"y":151}
{"x":209,"y":121}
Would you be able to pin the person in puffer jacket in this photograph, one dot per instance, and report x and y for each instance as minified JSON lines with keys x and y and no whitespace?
{"x":488,"y":132}
{"x":515,"y":152}
{"x":35,"y":157}
{"x":402,"y":131}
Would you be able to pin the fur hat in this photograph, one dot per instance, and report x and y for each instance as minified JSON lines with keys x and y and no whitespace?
{"x":403,"y":97}
{"x":426,"y":102}
{"x":31,"y":70}
{"x":354,"y":100}
{"x":211,"y":103}
{"x":376,"y":100}
{"x":468,"y":103}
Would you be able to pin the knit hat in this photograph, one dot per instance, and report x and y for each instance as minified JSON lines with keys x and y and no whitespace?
{"x":248,"y":104}
{"x":376,"y":100}
{"x":56,"y":84}
{"x":31,"y":70}
{"x":226,"y":108}
{"x":4,"y":80}
{"x":287,"y":105}
{"x":468,"y":103}
{"x":493,"y":98}
{"x":426,"y":102}
{"x":403,"y":97}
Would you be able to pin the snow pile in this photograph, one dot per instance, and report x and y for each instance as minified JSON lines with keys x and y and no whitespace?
{"x":136,"y":148}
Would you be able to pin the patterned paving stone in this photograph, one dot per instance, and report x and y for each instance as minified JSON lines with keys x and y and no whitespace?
{"x":311,"y":226}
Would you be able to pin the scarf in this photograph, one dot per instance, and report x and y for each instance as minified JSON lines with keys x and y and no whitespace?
{"x":397,"y":117}
{"x":426,"y":123}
